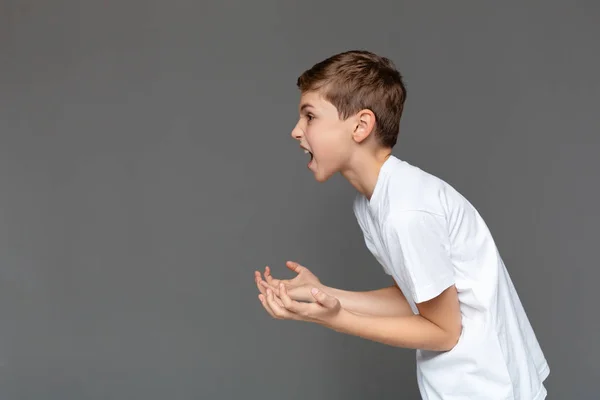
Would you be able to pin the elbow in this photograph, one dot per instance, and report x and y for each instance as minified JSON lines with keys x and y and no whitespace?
{"x":452,"y":339}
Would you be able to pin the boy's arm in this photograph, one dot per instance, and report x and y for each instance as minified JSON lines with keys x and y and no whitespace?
{"x":437,"y":327}
{"x":418,"y":246}
{"x":385,"y":302}
{"x":388,"y":301}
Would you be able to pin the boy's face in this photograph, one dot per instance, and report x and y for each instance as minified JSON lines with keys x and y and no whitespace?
{"x":328,"y":139}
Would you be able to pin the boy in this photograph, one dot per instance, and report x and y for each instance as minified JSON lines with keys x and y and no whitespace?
{"x":452,"y":300}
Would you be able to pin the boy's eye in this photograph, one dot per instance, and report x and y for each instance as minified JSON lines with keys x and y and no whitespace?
{"x":309,"y":117}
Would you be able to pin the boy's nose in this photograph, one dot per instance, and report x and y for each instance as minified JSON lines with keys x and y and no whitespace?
{"x":296,"y":133}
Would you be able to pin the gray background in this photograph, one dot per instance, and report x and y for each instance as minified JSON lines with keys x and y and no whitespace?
{"x":146,"y":170}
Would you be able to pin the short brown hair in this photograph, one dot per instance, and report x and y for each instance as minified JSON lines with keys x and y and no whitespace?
{"x":356,"y":80}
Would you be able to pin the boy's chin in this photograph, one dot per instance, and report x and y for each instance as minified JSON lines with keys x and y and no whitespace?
{"x":321,"y":176}
{"x":321,"y":179}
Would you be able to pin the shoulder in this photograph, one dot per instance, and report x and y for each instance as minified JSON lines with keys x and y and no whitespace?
{"x":409,"y":189}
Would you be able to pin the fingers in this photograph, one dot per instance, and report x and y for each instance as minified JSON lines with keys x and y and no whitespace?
{"x":258,"y":280}
{"x":267,"y":286}
{"x":288,"y":303}
{"x":324,"y":299}
{"x":264,"y":286}
{"x":277,"y":307}
{"x":268,"y":277}
{"x":281,"y":308}
{"x":275,"y":299}
{"x":263,"y":300}
{"x":294,"y":266}
{"x":272,"y":305}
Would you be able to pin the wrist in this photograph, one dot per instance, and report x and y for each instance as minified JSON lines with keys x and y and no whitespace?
{"x":328,"y":289}
{"x":335,"y":321}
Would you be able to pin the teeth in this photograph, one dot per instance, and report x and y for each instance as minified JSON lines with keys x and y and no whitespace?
{"x":305,"y":151}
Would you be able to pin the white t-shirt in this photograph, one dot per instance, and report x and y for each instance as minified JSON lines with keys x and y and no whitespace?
{"x":427,"y":236}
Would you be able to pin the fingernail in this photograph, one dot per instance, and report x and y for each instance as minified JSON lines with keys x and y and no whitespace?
{"x":315,"y":290}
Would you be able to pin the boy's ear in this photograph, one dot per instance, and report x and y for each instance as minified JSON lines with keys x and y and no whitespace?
{"x":364,"y":125}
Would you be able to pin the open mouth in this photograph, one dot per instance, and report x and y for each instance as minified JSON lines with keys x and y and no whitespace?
{"x":311,"y":155}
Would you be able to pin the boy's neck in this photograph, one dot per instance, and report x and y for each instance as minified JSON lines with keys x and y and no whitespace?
{"x":364,"y":171}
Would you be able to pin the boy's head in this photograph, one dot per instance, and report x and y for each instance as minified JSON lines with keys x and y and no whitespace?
{"x":350,"y":101}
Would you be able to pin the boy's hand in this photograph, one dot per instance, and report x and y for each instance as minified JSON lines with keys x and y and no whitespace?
{"x":323,"y":310}
{"x":297,"y":288}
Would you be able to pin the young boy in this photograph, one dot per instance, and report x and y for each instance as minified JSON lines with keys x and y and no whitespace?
{"x":452,"y":298}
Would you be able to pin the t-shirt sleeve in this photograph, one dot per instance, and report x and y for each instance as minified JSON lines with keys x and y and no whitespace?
{"x":418,"y":246}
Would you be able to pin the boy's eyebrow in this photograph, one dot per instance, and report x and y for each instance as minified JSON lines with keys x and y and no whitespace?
{"x":305,"y":106}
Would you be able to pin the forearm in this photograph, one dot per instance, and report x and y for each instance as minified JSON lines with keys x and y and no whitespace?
{"x":413,"y":332}
{"x":388,"y":301}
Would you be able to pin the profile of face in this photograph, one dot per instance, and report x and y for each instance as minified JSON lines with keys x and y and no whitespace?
{"x":329,"y":140}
